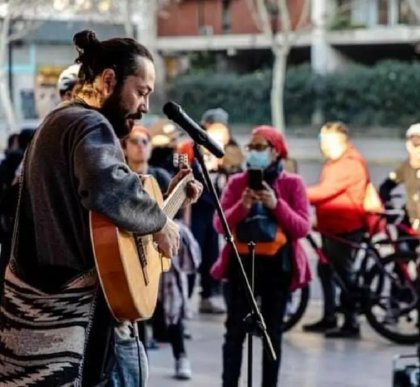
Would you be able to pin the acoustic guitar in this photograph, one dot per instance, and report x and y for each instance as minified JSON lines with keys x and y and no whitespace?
{"x":129,"y":265}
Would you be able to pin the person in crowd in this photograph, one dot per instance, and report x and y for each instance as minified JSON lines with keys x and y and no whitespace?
{"x":215,"y":122}
{"x":338,"y":198}
{"x":408,"y":174}
{"x":74,"y":165}
{"x":67,"y":82}
{"x":12,"y":143}
{"x":137,"y":149}
{"x":274,"y":215}
{"x":164,"y":143}
{"x":173,"y":301}
{"x":9,"y":192}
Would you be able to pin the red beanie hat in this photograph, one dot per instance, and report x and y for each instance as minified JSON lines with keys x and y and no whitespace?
{"x":274,"y":137}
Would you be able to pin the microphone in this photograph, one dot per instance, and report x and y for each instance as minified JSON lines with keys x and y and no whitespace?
{"x":175,"y":113}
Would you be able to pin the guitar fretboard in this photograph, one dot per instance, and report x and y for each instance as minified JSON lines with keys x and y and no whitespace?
{"x":177,"y":197}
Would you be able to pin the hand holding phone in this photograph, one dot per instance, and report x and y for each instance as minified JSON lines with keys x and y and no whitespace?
{"x":268,"y":197}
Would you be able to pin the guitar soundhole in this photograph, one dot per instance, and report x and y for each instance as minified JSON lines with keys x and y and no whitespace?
{"x":142,"y":256}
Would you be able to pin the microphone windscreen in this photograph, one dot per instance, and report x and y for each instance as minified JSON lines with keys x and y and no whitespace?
{"x":171,"y":109}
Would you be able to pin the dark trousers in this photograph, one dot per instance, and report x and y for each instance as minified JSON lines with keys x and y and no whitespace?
{"x":341,"y":259}
{"x":172,"y":333}
{"x":176,"y":338}
{"x":271,"y":286}
{"x":208,"y":240}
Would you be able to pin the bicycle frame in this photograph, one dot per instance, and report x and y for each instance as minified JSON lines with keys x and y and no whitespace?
{"x":396,"y":243}
{"x":365,"y":245}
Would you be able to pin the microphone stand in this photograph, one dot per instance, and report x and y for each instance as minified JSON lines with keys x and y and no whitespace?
{"x":248,"y":318}
{"x":254,"y":320}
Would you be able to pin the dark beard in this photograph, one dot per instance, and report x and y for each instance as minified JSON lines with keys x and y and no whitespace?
{"x":117,"y":115}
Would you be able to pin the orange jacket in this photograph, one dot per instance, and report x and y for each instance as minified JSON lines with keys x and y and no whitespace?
{"x":339,"y":195}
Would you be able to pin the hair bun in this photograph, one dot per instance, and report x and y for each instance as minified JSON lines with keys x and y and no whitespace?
{"x":85,"y":40}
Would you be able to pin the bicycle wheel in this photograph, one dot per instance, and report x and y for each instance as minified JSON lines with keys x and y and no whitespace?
{"x":296,"y":307}
{"x":392,"y":302}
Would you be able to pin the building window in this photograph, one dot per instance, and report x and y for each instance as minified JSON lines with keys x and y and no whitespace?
{"x":226,"y":19}
{"x":405,"y":14}
{"x":383,"y":12}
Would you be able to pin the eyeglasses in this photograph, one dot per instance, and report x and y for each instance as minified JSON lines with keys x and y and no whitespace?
{"x":138,"y":141}
{"x":257,"y":147}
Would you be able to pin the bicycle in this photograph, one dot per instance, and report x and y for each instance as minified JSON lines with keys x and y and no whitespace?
{"x":380,"y":286}
{"x":299,"y":299}
{"x":396,"y":303}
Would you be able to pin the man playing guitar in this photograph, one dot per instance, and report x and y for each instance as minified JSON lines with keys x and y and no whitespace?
{"x":55,"y":328}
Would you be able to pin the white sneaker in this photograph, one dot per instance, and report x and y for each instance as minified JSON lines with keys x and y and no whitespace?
{"x":208,"y":305}
{"x":183,"y":368}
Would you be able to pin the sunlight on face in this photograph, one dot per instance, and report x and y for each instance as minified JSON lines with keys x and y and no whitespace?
{"x":219,"y":133}
{"x":332,"y":144}
{"x":413,"y":146}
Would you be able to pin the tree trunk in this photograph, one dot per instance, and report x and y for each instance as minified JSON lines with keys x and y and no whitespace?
{"x":128,"y":19}
{"x":5,"y":100}
{"x":6,"y":103}
{"x":277,"y":88}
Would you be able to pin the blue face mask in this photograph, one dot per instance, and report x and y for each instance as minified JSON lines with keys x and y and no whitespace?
{"x":258,"y":159}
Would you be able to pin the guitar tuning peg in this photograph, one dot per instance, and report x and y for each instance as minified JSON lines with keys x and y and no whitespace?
{"x":175,"y":160}
{"x":183,"y":160}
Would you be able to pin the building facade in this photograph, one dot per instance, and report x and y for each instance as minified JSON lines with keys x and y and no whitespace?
{"x":336,"y":31}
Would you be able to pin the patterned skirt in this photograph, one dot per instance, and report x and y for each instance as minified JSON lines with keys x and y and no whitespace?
{"x":43,"y":336}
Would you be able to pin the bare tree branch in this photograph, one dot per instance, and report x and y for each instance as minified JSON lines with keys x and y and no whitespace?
{"x":263,"y":10}
{"x":304,"y":15}
{"x":5,"y":26}
{"x":284,"y":16}
{"x":265,"y":17}
{"x":17,"y":20}
{"x":415,"y":7}
{"x":255,"y":14}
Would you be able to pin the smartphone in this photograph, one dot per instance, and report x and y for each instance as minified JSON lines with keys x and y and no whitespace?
{"x":255,"y":180}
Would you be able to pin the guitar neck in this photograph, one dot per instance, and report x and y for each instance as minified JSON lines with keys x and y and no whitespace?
{"x":174,"y":201}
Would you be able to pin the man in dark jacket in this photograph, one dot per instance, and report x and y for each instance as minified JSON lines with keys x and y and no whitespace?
{"x":338,"y":199}
{"x":61,"y":328}
{"x":407,"y":173}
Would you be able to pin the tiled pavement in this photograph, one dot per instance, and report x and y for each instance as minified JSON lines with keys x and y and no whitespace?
{"x":309,"y":360}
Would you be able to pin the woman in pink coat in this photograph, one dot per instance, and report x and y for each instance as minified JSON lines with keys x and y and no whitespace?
{"x":281,"y":264}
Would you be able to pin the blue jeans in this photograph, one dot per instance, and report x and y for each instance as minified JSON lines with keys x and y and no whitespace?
{"x":131,"y":366}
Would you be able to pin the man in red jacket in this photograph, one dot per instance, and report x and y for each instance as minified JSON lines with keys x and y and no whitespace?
{"x":338,"y":199}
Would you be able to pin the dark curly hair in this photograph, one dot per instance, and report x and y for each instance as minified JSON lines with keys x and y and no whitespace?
{"x":95,"y":56}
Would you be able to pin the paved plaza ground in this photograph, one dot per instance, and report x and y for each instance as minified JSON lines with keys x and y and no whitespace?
{"x":309,"y":360}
